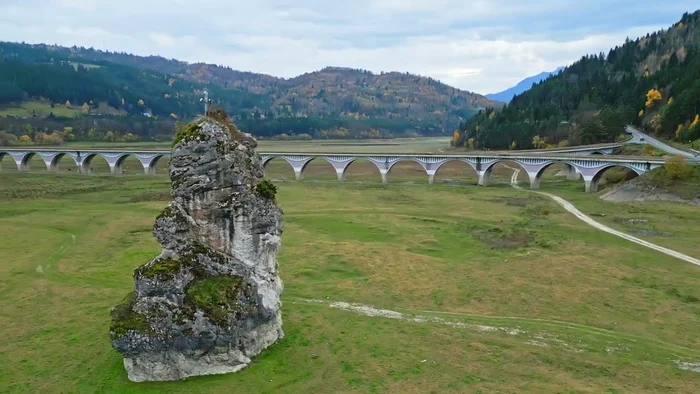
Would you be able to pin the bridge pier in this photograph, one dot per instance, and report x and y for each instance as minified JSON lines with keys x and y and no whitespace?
{"x":148,"y":162}
{"x":340,"y":164}
{"x":572,"y":174}
{"x":484,"y":176}
{"x":298,"y":163}
{"x":534,"y":180}
{"x":19,"y":158}
{"x":384,"y":164}
{"x":591,"y":184}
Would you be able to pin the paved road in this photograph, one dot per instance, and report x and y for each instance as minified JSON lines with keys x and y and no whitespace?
{"x":572,"y":209}
{"x":640,"y":138}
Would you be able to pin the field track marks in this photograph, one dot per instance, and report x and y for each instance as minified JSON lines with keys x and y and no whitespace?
{"x":572,"y":209}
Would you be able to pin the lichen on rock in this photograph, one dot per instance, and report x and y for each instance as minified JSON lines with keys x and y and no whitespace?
{"x":211,"y":300}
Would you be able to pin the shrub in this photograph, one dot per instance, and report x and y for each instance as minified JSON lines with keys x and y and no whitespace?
{"x":267,"y":189}
{"x":677,"y":168}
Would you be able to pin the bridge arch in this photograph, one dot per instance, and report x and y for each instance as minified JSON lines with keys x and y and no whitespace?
{"x":54,"y":162}
{"x":592,"y":183}
{"x":26,"y":159}
{"x":318,"y":161}
{"x":406,"y":165}
{"x":274,"y":168}
{"x":451,"y":164}
{"x":572,"y":173}
{"x":487,"y":170}
{"x":89,"y":165}
{"x":6,"y":160}
{"x":153,"y":164}
{"x":365,"y":164}
{"x":118,"y":167}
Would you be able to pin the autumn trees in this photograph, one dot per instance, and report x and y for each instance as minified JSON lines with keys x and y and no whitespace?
{"x":652,"y":82}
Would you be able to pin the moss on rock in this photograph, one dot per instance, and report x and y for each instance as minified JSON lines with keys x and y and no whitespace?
{"x":125,"y":319}
{"x":216,"y":296}
{"x":190,"y":132}
{"x":163,"y":269}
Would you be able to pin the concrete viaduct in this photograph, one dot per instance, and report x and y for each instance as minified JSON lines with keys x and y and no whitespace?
{"x":587,"y":162}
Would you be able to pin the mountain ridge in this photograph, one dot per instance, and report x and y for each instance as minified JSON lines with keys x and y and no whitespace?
{"x":651,"y":82}
{"x":334,"y":102}
{"x":524,"y":85}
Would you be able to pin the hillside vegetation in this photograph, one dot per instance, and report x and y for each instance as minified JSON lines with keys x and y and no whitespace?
{"x":113,"y":87}
{"x":652,"y":82}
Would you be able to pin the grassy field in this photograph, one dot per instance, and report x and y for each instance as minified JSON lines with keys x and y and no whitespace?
{"x":40,"y":109}
{"x":516,"y":294}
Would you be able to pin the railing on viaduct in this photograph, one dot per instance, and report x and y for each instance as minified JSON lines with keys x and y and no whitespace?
{"x":590,"y":167}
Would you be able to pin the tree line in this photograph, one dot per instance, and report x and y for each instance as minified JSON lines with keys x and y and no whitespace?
{"x":652,"y":82}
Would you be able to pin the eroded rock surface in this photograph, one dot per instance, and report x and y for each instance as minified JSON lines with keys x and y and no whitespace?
{"x":211,"y":300}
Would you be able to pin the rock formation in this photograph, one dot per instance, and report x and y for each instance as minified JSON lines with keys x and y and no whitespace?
{"x":211,"y":300}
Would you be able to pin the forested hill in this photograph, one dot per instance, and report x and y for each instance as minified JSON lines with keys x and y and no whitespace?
{"x":333,"y":102}
{"x":653,"y":82}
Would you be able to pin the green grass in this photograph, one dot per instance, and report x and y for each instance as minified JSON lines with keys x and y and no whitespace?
{"x":41,"y":109}
{"x":570,"y":310}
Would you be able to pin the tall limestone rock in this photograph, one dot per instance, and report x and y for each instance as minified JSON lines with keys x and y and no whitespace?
{"x":211,"y":300}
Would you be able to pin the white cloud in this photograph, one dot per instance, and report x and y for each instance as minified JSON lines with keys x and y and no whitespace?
{"x":76,"y":4}
{"x":476,"y":45}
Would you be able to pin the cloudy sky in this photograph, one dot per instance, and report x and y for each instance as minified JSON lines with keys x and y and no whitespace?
{"x":477,"y":45}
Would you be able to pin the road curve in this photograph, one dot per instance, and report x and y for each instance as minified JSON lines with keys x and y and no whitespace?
{"x":640,"y":138}
{"x":572,"y":209}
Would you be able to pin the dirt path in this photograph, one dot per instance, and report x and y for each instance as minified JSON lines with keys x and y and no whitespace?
{"x":572,"y":209}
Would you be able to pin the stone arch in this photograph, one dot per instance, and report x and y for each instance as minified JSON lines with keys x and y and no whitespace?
{"x":319,"y":161}
{"x":131,"y":163}
{"x":153,"y":163}
{"x":56,"y":161}
{"x":447,"y":165}
{"x":404,"y":164}
{"x":597,"y":152}
{"x":570,"y":171}
{"x":367,"y":166}
{"x":6,"y":160}
{"x":488,"y":170}
{"x":592,"y":184}
{"x":24,"y":163}
{"x":274,"y":168}
{"x":118,"y":164}
{"x":87,"y":164}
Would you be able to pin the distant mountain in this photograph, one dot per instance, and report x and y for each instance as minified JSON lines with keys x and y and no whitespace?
{"x":522,"y":86}
{"x":652,"y":82}
{"x":333,"y":102}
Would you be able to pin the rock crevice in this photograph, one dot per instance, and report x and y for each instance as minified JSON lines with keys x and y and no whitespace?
{"x":211,"y":300}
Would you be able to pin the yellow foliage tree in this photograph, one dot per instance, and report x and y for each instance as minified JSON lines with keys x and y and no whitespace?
{"x":85,"y":108}
{"x":141,"y":103}
{"x":455,"y":138}
{"x":67,"y":104}
{"x":679,"y":131}
{"x":641,"y":113}
{"x":670,"y":101}
{"x":513,"y":145}
{"x":653,"y":96}
{"x":471,"y":143}
{"x":538,"y":142}
{"x":25,"y":139}
{"x":694,"y":122}
{"x":677,"y":168}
